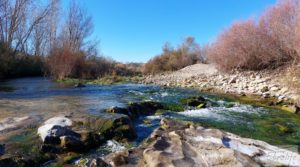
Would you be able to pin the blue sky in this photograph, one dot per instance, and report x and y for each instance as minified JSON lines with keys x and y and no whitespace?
{"x":135,"y":30}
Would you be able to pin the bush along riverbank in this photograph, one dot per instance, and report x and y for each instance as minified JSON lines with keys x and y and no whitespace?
{"x":266,"y":87}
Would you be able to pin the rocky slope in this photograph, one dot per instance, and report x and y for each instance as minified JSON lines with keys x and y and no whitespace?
{"x":177,"y":144}
{"x":265,"y":84}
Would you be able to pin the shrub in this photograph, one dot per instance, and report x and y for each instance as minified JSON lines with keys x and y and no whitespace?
{"x":96,"y":67}
{"x":171,"y":59}
{"x":254,"y":45}
{"x":61,"y":63}
{"x":19,"y":64}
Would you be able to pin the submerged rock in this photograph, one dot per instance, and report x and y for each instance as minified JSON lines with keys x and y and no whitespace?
{"x":95,"y":131}
{"x":79,"y":85}
{"x":194,"y":101}
{"x":135,"y":110}
{"x":179,"y":144}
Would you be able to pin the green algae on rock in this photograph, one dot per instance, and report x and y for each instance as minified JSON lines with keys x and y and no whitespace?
{"x":194,"y":101}
{"x":135,"y":110}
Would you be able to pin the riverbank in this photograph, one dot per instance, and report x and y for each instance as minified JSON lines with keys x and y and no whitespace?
{"x":106,"y":80}
{"x":267,"y":85}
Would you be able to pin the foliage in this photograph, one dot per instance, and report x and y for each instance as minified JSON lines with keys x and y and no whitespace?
{"x":186,"y":54}
{"x":267,"y":43}
{"x":19,"y":65}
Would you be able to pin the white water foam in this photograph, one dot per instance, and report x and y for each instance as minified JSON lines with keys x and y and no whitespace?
{"x":11,"y":122}
{"x":114,"y":146}
{"x":203,"y":113}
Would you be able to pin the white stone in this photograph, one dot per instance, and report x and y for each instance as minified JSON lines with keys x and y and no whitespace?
{"x":46,"y":129}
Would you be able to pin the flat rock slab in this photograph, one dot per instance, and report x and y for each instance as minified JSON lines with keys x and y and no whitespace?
{"x":179,"y":144}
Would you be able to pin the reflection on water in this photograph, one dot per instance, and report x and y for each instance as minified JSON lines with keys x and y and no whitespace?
{"x":41,"y":96}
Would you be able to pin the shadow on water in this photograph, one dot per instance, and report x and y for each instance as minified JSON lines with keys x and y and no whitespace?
{"x":6,"y":89}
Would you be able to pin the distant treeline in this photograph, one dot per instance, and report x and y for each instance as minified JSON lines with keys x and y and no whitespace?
{"x":39,"y":38}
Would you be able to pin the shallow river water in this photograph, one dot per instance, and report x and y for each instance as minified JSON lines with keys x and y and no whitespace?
{"x":42,"y":99}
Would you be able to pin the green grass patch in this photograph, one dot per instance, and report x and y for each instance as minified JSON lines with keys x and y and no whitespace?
{"x":173,"y":107}
{"x":106,"y":80}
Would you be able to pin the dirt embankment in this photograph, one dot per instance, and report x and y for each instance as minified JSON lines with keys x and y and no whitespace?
{"x":206,"y":77}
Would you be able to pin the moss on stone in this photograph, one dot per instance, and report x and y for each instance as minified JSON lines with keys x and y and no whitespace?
{"x":173,"y":107}
{"x":193,"y":101}
{"x":147,"y":122}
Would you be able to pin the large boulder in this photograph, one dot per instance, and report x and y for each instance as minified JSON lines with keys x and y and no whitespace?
{"x":182,"y":144}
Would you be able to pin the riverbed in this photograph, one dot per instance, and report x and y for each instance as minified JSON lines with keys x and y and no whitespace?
{"x":40,"y":99}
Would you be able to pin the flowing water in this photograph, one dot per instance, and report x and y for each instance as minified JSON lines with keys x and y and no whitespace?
{"x":41,"y":99}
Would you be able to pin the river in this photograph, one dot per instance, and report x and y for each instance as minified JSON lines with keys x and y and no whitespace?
{"x":40,"y":98}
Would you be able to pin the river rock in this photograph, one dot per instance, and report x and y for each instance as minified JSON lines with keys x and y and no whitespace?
{"x":98,"y":162}
{"x":180,"y":144}
{"x":71,"y":143}
{"x":264,"y":89}
{"x":292,"y":108}
{"x":54,"y":128}
{"x":119,"y":128}
{"x":233,"y":80}
{"x":135,"y":110}
{"x":79,"y":85}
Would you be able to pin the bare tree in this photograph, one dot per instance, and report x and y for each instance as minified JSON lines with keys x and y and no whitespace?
{"x":53,"y":21}
{"x":17,"y":22}
{"x":69,"y":57}
{"x":77,"y":27}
